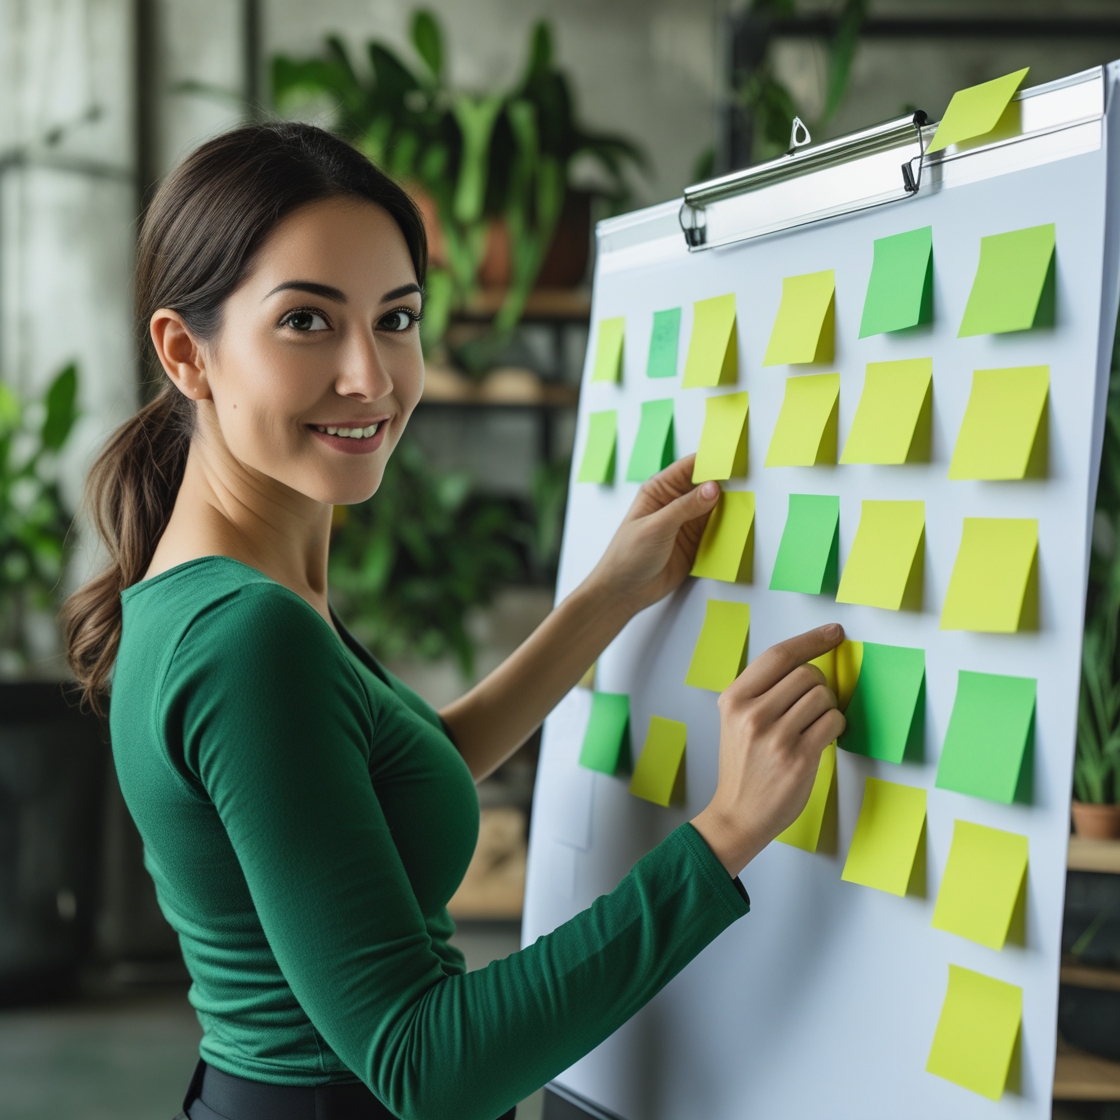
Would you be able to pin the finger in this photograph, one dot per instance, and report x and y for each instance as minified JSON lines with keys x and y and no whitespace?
{"x":780,"y":660}
{"x":824,"y":730}
{"x":776,"y":702}
{"x":698,"y":502}
{"x":809,"y":708}
{"x":665,"y":486}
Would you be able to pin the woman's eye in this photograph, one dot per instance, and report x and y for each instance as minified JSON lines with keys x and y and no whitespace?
{"x":399,"y":320}
{"x":304,"y":319}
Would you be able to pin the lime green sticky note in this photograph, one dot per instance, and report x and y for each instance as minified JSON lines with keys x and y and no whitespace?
{"x":984,"y":876}
{"x":804,"y":330}
{"x":597,"y":464}
{"x":976,"y":111}
{"x":809,"y":552}
{"x":805,"y":433}
{"x":1014,"y":285}
{"x":988,"y":744}
{"x":900,"y":291}
{"x":713,"y":350}
{"x":653,"y":448}
{"x":893,"y":420}
{"x":885,"y":566}
{"x":886,"y":714}
{"x":976,"y":1034}
{"x":663,"y":343}
{"x":805,"y":832}
{"x":723,"y":442}
{"x":726,"y":549}
{"x":608,"y":350}
{"x":659,"y":764}
{"x":994,"y":585}
{"x":606,"y":742}
{"x":888,"y":832}
{"x":721,"y":649}
{"x":1003,"y":434}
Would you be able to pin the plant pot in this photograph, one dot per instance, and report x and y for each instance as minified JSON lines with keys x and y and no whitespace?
{"x":1096,"y":822}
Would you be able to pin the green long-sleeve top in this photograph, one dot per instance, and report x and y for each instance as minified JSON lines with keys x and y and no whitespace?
{"x":306,"y":818}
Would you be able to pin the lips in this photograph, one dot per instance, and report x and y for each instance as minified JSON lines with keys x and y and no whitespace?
{"x":351,"y":440}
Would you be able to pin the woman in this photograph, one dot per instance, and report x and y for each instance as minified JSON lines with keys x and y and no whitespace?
{"x":305,"y":816}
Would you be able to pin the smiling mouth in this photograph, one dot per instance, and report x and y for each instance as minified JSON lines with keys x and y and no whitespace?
{"x":349,"y":433}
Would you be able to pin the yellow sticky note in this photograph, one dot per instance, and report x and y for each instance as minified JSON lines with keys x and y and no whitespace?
{"x":1003,"y":434}
{"x":976,"y":1034}
{"x":984,"y":878}
{"x":805,"y":434}
{"x":721,"y":649}
{"x":804,"y":330}
{"x":976,"y":111}
{"x":713,"y":349}
{"x":608,"y":350}
{"x":723,"y":442}
{"x":659,"y":765}
{"x":885,"y":566}
{"x":893,"y":420}
{"x":884,"y":851}
{"x":806,"y":832}
{"x":994,"y":585}
{"x":841,"y":668}
{"x":726,"y":549}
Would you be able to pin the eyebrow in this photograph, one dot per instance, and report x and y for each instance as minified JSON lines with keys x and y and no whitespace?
{"x":335,"y":294}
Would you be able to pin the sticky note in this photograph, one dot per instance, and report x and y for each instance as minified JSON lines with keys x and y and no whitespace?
{"x":886,"y":715}
{"x":723,"y":442}
{"x":659,"y":764}
{"x":726,"y":549}
{"x":1014,"y":285}
{"x":653,"y":448}
{"x":713,"y":350}
{"x":894,"y":417}
{"x":597,"y":464}
{"x":608,"y":350}
{"x":1003,"y":434}
{"x":976,"y":111}
{"x":606,"y":742}
{"x":989,"y":741}
{"x":804,"y":330}
{"x":977,"y":1031}
{"x":806,"y":832}
{"x":885,"y":565}
{"x":983,"y":884}
{"x":841,"y":668}
{"x":809,"y":552}
{"x":663,"y":343}
{"x":721,"y":649}
{"x":994,"y":585}
{"x":805,"y":433}
{"x":900,"y":291}
{"x":884,"y":851}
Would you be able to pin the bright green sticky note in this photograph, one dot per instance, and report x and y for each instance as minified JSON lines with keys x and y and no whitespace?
{"x":653,"y":449}
{"x":805,"y":832}
{"x":984,"y":877}
{"x":721,"y":649}
{"x":976,"y":111}
{"x":994,"y":585}
{"x":1003,"y":435}
{"x":659,"y":764}
{"x":723,"y":442}
{"x":1014,"y":285}
{"x":805,"y":433}
{"x":885,"y":565}
{"x":663,"y":343}
{"x":606,"y":742}
{"x":808,"y":555}
{"x":804,"y":330}
{"x":608,"y":350}
{"x":888,"y":832}
{"x":713,"y":350}
{"x":900,"y":291}
{"x":597,"y":464}
{"x":726,"y":549}
{"x":976,"y":1034}
{"x":886,"y":713}
{"x":988,"y":744}
{"x":895,"y":413}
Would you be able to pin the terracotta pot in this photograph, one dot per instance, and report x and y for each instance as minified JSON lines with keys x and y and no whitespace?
{"x":1096,"y":822}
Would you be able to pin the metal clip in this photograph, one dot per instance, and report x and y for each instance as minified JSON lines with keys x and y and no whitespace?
{"x":911,"y":183}
{"x":694,"y":224}
{"x":795,"y":142}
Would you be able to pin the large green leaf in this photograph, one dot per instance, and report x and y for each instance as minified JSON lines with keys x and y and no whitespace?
{"x":427,"y":38}
{"x":62,"y":409}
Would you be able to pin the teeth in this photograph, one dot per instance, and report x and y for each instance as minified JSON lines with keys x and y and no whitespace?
{"x":350,"y":433}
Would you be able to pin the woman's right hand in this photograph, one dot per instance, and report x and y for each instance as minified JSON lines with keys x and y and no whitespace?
{"x":776,"y":718}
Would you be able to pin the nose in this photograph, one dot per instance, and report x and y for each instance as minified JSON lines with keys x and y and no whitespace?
{"x":364,"y":375}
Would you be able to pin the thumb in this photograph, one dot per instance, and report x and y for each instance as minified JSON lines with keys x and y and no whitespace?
{"x":696,"y":503}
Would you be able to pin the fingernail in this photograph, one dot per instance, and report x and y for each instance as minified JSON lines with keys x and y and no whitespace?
{"x":709,"y":490}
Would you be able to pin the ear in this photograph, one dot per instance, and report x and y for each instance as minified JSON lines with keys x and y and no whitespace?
{"x":181,"y":354}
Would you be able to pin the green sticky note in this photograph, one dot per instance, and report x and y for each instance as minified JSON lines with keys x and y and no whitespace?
{"x":807,"y":831}
{"x":983,"y":884}
{"x":721,"y":649}
{"x":1014,"y":285}
{"x":659,"y":764}
{"x":989,"y":742}
{"x":994,"y":585}
{"x":809,"y":553}
{"x":723,"y":442}
{"x":606,"y":742}
{"x":900,"y":291}
{"x":885,"y":565}
{"x":713,"y":350}
{"x":804,"y":330}
{"x":888,"y":833}
{"x":886,"y":714}
{"x":597,"y":464}
{"x":976,"y":111}
{"x":977,"y":1032}
{"x":1003,"y":434}
{"x":893,"y":420}
{"x":608,"y":350}
{"x":726,"y":549}
{"x":663,"y":343}
{"x":653,"y":449}
{"x":805,"y":433}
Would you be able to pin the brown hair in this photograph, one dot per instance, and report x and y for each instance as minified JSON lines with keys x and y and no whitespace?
{"x":197,"y":243}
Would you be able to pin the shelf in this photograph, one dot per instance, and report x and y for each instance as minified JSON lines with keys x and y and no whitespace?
{"x":1090,"y":976}
{"x":1094,"y":855}
{"x":503,"y":388}
{"x":570,"y":305}
{"x":1085,"y":1077}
